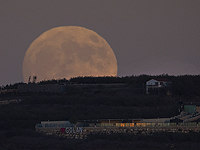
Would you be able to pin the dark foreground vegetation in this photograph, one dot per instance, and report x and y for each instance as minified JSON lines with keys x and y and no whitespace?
{"x":17,"y":120}
{"x":29,"y":140}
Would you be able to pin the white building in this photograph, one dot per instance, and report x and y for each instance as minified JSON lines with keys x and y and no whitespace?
{"x":157,"y":83}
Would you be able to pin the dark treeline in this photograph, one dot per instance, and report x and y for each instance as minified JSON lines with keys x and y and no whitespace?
{"x":184,"y":85}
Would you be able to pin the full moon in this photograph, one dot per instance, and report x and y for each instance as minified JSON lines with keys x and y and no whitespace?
{"x":69,"y":51}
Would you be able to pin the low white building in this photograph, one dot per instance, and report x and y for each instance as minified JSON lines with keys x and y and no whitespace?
{"x":157,"y":83}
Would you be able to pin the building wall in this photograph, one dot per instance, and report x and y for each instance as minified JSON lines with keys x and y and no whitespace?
{"x":154,"y":84}
{"x":191,"y":109}
{"x":198,"y":109}
{"x":151,"y":82}
{"x":83,"y":132}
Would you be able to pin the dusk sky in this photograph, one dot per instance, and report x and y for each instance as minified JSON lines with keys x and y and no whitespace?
{"x":147,"y":36}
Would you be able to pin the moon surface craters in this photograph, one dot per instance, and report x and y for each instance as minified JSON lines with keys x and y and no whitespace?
{"x":69,"y":51}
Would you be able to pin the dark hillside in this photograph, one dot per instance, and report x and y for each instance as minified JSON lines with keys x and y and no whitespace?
{"x":126,"y":100}
{"x":100,"y":104}
{"x":17,"y":120}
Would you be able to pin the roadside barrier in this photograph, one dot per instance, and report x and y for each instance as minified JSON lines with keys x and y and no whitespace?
{"x":118,"y":125}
